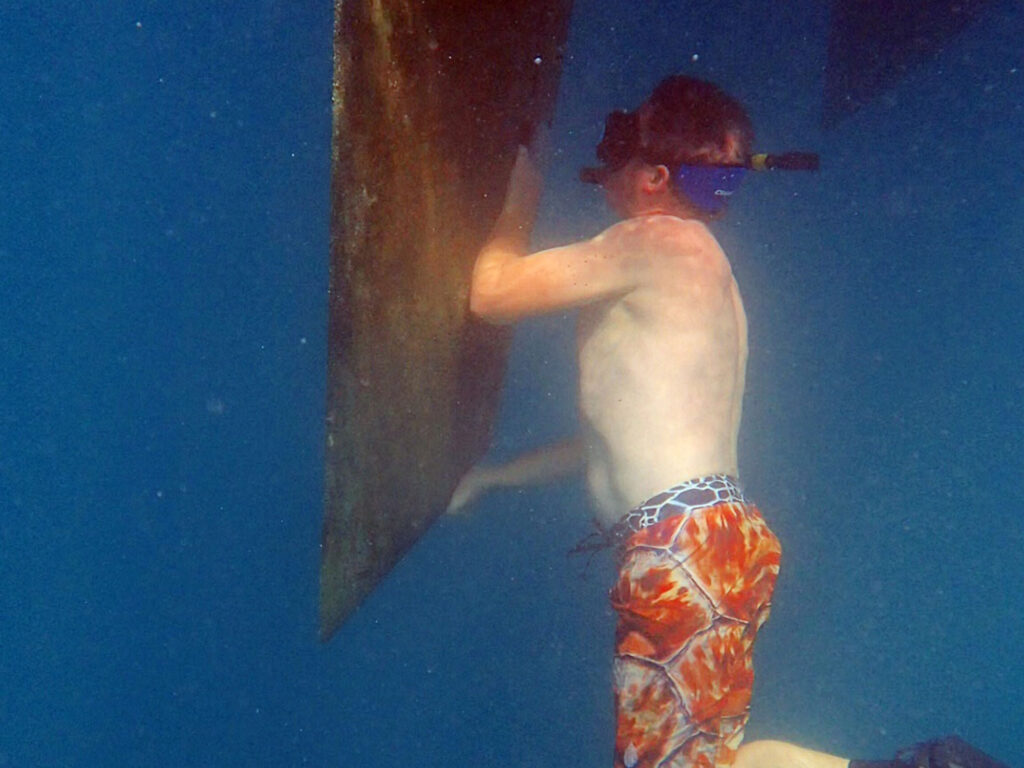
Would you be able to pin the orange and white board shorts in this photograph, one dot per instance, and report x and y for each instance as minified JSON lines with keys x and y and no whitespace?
{"x":695,"y":584}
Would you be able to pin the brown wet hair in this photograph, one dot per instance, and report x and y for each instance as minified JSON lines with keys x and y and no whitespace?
{"x":688,"y":120}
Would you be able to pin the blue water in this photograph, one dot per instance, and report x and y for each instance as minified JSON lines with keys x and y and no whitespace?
{"x":163,"y":264}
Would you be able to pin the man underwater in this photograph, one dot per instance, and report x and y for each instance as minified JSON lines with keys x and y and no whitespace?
{"x":662,"y":348}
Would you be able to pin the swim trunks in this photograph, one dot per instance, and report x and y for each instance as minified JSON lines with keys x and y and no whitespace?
{"x":695,"y":582}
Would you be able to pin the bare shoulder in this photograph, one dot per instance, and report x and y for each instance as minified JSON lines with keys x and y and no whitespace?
{"x":685,"y":246}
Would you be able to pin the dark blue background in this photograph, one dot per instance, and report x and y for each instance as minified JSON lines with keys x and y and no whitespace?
{"x":163,"y":262}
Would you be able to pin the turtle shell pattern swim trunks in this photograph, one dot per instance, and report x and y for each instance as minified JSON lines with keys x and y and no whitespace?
{"x":696,"y":576}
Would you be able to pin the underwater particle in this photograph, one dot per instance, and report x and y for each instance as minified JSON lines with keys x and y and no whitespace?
{"x":538,"y":60}
{"x":695,"y":57}
{"x":215,"y":405}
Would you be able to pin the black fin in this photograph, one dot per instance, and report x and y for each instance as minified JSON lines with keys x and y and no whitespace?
{"x":950,"y":752}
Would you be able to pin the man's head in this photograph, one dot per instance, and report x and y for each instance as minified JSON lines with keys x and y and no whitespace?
{"x":697,"y":132}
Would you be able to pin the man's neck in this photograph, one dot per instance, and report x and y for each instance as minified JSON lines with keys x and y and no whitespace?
{"x":672,"y":208}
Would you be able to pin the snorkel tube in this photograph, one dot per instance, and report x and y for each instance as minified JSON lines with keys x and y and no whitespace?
{"x":787,"y":161}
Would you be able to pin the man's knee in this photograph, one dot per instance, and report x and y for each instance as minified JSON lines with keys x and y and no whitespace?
{"x":780,"y":754}
{"x":761,"y":754}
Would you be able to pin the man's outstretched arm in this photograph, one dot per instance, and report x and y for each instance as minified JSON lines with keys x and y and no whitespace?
{"x":544,"y":465}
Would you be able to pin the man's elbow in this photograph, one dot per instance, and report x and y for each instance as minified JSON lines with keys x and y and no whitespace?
{"x":487,"y":307}
{"x":487,"y":300}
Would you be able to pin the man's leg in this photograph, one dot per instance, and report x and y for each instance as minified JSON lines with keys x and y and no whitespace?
{"x":692,"y":592}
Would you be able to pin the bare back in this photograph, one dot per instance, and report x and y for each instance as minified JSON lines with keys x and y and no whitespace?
{"x":662,"y":367}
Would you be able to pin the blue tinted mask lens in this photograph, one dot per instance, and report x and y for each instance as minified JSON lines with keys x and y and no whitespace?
{"x":708,"y":187}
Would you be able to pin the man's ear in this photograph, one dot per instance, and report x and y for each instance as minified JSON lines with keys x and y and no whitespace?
{"x":656,"y":178}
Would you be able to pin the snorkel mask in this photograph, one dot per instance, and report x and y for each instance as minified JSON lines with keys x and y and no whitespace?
{"x":707,"y":186}
{"x":619,"y":143}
